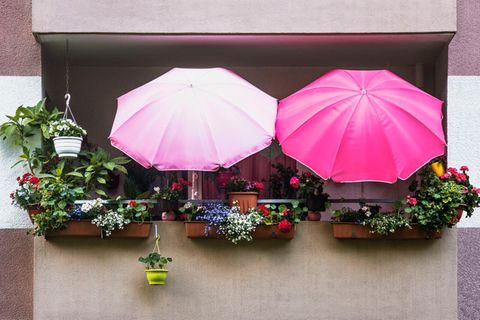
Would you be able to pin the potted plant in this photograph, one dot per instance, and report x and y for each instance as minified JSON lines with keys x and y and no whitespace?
{"x":223,"y":175}
{"x":27,"y":196}
{"x":167,"y":198}
{"x":369,"y":223}
{"x":439,"y":201}
{"x":155,"y":266}
{"x":203,"y":221}
{"x":138,"y":215}
{"x":67,"y":137}
{"x":310,"y":188}
{"x":279,"y":221}
{"x":243,"y":192}
{"x":279,"y":181}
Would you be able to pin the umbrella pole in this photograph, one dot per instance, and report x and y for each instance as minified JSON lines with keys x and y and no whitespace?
{"x":196,"y":191}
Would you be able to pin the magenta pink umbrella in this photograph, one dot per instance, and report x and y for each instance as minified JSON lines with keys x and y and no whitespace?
{"x":194,"y":119}
{"x":354,"y":126}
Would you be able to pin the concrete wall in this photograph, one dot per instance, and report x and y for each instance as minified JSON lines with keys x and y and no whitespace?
{"x":20,"y":83}
{"x":243,"y":16}
{"x":464,"y":144}
{"x":313,"y":276}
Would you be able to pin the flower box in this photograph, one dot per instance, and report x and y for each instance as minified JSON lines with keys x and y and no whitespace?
{"x":76,"y":228}
{"x":245,"y":200}
{"x":133,"y":230}
{"x":345,"y":230}
{"x":262,"y":232}
{"x":34,"y":210}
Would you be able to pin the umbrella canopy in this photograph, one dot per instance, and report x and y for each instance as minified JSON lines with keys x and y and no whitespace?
{"x":355,"y":126}
{"x":194,"y":119}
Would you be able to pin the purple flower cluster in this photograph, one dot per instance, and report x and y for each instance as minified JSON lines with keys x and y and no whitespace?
{"x":214,"y":214}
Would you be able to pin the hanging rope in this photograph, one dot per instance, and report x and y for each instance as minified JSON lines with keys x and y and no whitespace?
{"x":156,"y":248}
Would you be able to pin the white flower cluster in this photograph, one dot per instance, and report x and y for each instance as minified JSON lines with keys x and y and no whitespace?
{"x":110,"y":221}
{"x":90,"y":205}
{"x":238,"y":226}
{"x":66,"y":127}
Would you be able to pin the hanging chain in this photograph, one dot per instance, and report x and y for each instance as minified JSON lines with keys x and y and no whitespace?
{"x":67,"y":84}
{"x":67,"y":67}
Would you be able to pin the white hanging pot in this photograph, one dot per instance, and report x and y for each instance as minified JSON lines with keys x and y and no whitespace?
{"x":68,"y":147}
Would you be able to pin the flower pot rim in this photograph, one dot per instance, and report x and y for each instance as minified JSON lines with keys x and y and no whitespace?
{"x":243,"y":192}
{"x":68,"y":137}
{"x":156,"y":270}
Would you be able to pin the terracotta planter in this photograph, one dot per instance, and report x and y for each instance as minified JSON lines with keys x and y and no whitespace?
{"x":168,"y":216}
{"x":81,"y":228}
{"x":262,"y":232}
{"x":245,"y":200}
{"x":196,"y":229}
{"x":133,"y":230}
{"x":345,"y":230}
{"x":34,"y":210}
{"x":314,"y":216}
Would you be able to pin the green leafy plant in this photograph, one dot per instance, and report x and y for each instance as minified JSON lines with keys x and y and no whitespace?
{"x":435,"y":202}
{"x":386,"y":224}
{"x":155,"y":260}
{"x":191,"y":211}
{"x":95,"y":168}
{"x":237,"y":184}
{"x":273,"y":214}
{"x":280,"y":186}
{"x":135,"y":211}
{"x":65,"y":128}
{"x":26,"y":123}
{"x":171,"y":193}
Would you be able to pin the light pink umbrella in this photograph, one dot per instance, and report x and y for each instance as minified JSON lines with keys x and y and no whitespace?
{"x":356,"y":126}
{"x":194,"y":119}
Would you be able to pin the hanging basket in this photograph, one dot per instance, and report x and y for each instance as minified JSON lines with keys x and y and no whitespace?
{"x":68,"y":147}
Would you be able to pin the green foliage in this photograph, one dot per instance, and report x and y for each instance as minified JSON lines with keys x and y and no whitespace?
{"x":95,"y":167}
{"x":385,"y":224}
{"x":280,"y":182}
{"x":26,"y":123}
{"x":191,"y":211}
{"x":135,"y":211}
{"x":437,"y":202}
{"x":155,"y":260}
{"x":273,"y":214}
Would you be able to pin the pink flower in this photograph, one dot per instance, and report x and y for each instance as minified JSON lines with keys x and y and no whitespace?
{"x":285,"y":212}
{"x":12,"y":195}
{"x":464,"y":168}
{"x":259,"y":185}
{"x":411,"y":200}
{"x":461,"y":177}
{"x":285,"y":226}
{"x":445,"y":176}
{"x":294,"y":182}
{"x":452,"y":170}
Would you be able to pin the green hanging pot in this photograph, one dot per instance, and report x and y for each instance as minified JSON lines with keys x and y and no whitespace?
{"x":156,"y":276}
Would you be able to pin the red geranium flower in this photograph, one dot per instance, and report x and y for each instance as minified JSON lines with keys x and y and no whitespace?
{"x":411,"y":200}
{"x":452,"y":170}
{"x":264,"y":210}
{"x":177,"y":186}
{"x":132,"y":203}
{"x":461,"y":177}
{"x":34,"y":180}
{"x":182,"y":217}
{"x":285,"y":226}
{"x":259,"y":185}
{"x":12,"y":195}
{"x":464,"y":168}
{"x":294,"y":182}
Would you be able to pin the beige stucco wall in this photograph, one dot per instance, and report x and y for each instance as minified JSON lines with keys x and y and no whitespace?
{"x":244,"y":16}
{"x":314,"y":276}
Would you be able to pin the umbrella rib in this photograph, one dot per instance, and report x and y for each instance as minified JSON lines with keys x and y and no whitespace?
{"x":317,"y":112}
{"x":385,"y":136}
{"x":411,"y":115}
{"x":343,"y":136}
{"x":236,"y":107}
